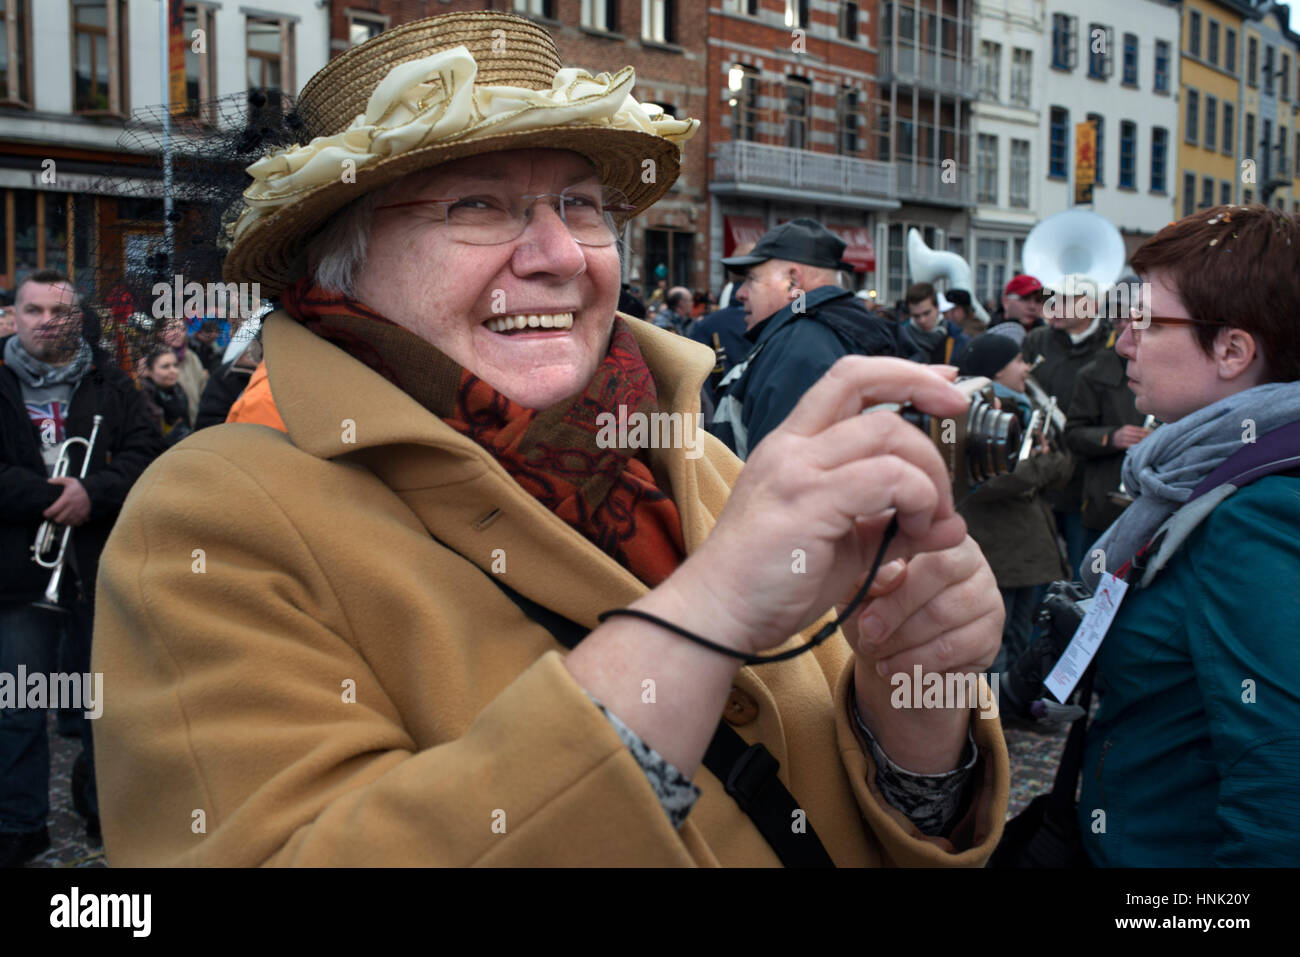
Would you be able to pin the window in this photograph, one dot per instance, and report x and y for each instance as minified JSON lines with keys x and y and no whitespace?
{"x":1192,"y":117}
{"x":990,"y":268}
{"x":1281,"y":150}
{"x":600,"y":15}
{"x":1248,"y":144}
{"x":99,"y":56}
{"x":1194,"y":33}
{"x":798,"y":96}
{"x":797,"y":13}
{"x":987,"y":169}
{"x":1100,"y":50}
{"x":990,"y":70}
{"x":906,"y":140}
{"x":1130,"y":59}
{"x":362,"y":28}
{"x":1058,"y":143}
{"x":1230,"y":50}
{"x":1065,"y":36}
{"x":744,"y":106}
{"x":1266,"y":145}
{"x":1159,"y":158}
{"x":1022,"y":75}
{"x":907,"y":25}
{"x":1268,"y":69}
{"x":1161,"y":84}
{"x":15,"y":64}
{"x":1284,"y":77}
{"x":1127,"y":155}
{"x":1212,"y":42}
{"x":200,"y":67}
{"x":1020,"y":174}
{"x":1211,"y":122}
{"x":1207,"y":192}
{"x":1247,"y":196}
{"x":1099,"y":124}
{"x":1225,"y":192}
{"x":658,"y":23}
{"x":749,"y":7}
{"x":848,"y":120}
{"x":1228,"y":128}
{"x":1297,"y":146}
{"x":1252,"y":58}
{"x":536,"y":8}
{"x":270,"y":48}
{"x":1189,"y":193}
{"x":850,"y":17}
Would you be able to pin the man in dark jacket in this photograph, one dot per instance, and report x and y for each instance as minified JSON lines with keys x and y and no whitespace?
{"x":724,"y":332}
{"x":51,"y":387}
{"x":1102,"y":425}
{"x":928,"y":336}
{"x":800,"y":321}
{"x":1075,"y":334}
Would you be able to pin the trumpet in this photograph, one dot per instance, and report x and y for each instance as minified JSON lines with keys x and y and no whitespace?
{"x":45,"y":534}
{"x":1043,"y":418}
{"x":1054,"y":418}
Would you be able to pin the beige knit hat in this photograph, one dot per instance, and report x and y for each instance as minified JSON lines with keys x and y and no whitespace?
{"x":431,"y":91}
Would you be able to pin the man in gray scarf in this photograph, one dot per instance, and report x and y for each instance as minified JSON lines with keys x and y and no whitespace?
{"x":51,"y":387}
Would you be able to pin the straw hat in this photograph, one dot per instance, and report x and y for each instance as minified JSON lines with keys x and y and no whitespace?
{"x":435,"y":90}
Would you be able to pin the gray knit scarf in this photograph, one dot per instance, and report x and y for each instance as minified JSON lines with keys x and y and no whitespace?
{"x":1161,"y":471}
{"x":42,"y":375}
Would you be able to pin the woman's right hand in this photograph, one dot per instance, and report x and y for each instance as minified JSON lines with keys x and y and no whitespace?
{"x":806,"y":516}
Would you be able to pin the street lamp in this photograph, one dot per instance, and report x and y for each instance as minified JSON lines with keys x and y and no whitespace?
{"x":736,"y":78}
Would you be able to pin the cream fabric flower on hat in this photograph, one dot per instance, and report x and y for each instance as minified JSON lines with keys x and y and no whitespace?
{"x":435,"y":100}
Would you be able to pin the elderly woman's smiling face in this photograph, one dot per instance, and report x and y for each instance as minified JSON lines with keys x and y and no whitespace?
{"x":449,"y":292}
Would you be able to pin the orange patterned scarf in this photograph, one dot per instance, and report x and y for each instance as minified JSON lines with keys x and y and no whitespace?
{"x":609,"y":495}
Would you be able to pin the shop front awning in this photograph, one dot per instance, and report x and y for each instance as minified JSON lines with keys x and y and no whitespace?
{"x":741,"y":231}
{"x":858,"y":250}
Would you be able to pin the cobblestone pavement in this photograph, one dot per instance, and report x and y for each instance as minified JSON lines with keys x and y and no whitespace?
{"x":1033,"y":765}
{"x":69,"y":846}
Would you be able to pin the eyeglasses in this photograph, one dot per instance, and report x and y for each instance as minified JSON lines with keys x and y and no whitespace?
{"x":594,"y":214}
{"x":1136,"y":330}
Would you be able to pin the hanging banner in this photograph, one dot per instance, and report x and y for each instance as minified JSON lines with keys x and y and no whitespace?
{"x":176,"y":55}
{"x":1085,"y":161}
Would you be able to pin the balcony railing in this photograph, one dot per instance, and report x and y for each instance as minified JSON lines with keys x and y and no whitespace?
{"x":797,"y":171}
{"x":907,"y":64}
{"x":924,"y":182}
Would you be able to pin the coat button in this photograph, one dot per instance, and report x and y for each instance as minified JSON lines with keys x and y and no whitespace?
{"x":741,"y":708}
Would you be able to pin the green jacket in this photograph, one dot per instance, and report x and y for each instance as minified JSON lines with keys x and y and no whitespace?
{"x":1194,"y":756}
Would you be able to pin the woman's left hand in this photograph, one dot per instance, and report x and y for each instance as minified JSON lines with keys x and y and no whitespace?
{"x":941,"y":610}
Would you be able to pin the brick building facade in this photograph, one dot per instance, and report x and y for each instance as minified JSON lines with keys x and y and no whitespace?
{"x":792,"y":110}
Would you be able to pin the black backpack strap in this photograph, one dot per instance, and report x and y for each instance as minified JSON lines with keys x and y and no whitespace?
{"x":747,"y":771}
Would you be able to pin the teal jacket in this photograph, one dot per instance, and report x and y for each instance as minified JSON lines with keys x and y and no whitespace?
{"x":1194,"y":756}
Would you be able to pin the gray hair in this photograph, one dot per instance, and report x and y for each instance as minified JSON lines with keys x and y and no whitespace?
{"x":336,"y":254}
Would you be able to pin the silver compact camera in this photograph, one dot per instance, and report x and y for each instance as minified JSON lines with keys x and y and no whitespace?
{"x":981,"y":445}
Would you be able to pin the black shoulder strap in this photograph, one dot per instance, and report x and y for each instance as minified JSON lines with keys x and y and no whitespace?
{"x":747,"y":771}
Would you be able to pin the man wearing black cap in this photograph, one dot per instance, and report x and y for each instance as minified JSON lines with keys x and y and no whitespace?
{"x":800,"y":320}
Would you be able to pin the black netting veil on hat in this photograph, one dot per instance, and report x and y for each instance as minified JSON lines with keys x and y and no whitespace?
{"x":141,"y":249}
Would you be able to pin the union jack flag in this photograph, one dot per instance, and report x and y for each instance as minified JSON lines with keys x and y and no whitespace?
{"x":43,"y":412}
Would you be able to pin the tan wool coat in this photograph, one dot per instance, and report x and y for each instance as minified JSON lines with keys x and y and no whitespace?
{"x":322,"y":675}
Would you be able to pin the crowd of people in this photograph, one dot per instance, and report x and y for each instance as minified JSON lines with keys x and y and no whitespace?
{"x":424,"y":612}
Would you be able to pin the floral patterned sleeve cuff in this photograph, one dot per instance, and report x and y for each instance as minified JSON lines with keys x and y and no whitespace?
{"x":676,"y":794}
{"x":933,"y":802}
